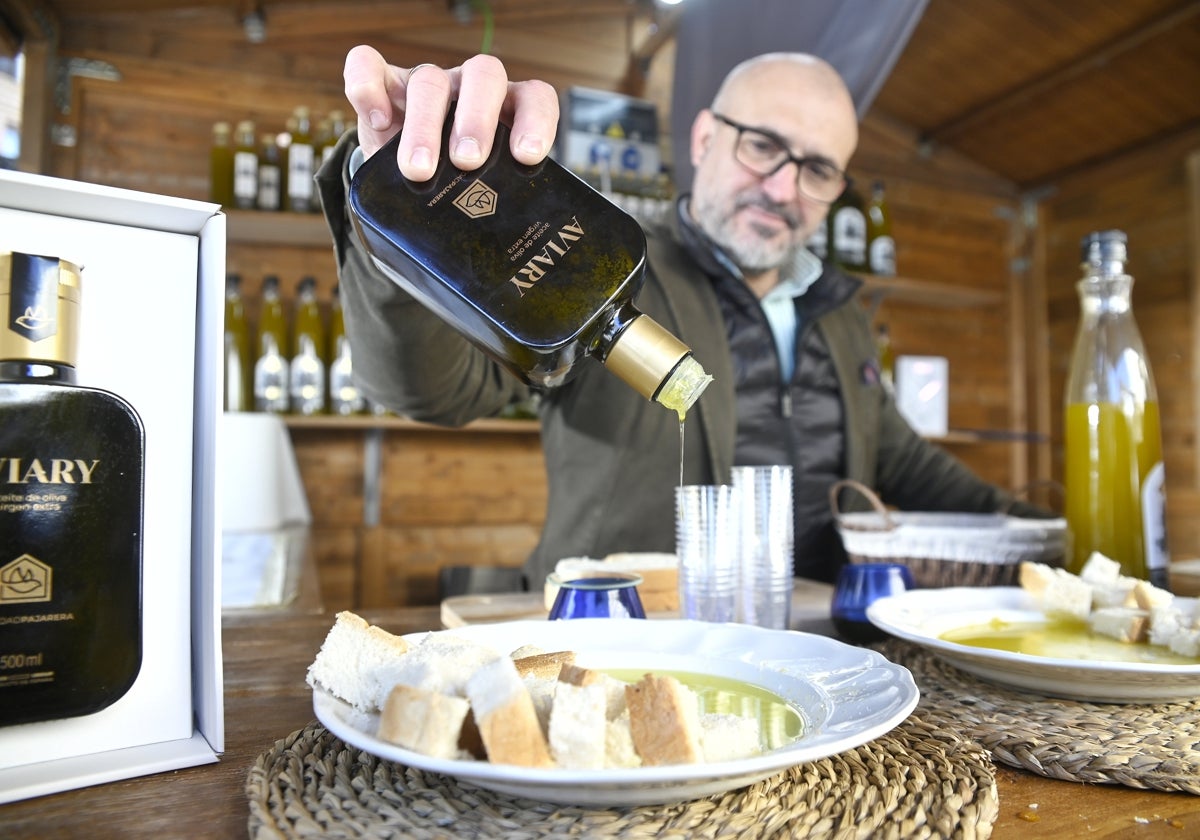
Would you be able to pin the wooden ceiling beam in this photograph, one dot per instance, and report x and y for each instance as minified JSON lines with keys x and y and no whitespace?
{"x":663,"y":32}
{"x":288,"y":22}
{"x":378,"y":12}
{"x":1020,"y":97}
{"x":30,"y":20}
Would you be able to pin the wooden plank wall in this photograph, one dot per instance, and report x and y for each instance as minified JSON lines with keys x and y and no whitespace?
{"x":954,"y":224}
{"x":445,"y":498}
{"x":1150,"y":196}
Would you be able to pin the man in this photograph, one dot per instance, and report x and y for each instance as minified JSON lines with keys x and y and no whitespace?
{"x":790,"y":349}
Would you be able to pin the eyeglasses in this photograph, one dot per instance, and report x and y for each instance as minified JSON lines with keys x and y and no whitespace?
{"x":765,"y":153}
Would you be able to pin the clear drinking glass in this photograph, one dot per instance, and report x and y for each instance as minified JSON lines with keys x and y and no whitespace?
{"x":706,"y":542}
{"x":765,"y":545}
{"x":614,"y":595}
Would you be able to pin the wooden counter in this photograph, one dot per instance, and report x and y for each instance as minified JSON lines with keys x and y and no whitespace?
{"x":266,"y":654}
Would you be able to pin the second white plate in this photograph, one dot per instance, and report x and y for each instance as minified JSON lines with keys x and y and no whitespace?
{"x":922,"y":616}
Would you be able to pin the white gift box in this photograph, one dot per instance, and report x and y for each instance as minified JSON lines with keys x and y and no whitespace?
{"x":922,"y":386}
{"x":153,"y":276}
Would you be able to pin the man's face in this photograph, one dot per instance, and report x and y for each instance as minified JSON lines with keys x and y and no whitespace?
{"x":759,"y":221}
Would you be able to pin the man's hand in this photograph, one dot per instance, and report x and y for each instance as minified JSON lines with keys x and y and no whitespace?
{"x":387,"y":98}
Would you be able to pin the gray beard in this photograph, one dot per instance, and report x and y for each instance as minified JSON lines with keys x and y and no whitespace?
{"x":755,"y":257}
{"x":751,"y":258}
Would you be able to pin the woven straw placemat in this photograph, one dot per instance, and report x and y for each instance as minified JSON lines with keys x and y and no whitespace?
{"x":919,"y":780}
{"x":1155,"y":747}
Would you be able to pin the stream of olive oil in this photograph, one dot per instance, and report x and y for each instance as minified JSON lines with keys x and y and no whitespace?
{"x":779,"y":722}
{"x":1061,"y":639}
{"x":681,"y":450}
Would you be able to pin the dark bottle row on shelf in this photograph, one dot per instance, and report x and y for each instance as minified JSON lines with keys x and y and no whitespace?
{"x":251,"y":168}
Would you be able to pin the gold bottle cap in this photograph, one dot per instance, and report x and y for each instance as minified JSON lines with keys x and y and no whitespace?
{"x":657,"y":365}
{"x":39,"y":299}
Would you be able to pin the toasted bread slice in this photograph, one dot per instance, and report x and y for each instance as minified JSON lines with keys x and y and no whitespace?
{"x":1034,"y":577}
{"x":575,"y":675}
{"x":577,"y":725}
{"x":505,"y":714}
{"x":1148,"y":596}
{"x":1125,"y":624}
{"x":664,"y":718}
{"x":423,"y":721}
{"x":1099,"y":570}
{"x":619,"y":750}
{"x":1057,"y":591}
{"x":350,"y":658}
{"x":727,"y":737}
{"x":544,"y":665}
{"x":439,"y":662}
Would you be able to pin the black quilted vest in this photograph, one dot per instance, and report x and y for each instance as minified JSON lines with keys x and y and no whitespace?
{"x":800,"y":423}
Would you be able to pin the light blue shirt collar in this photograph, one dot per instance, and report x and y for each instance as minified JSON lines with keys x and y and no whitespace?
{"x":780,"y":308}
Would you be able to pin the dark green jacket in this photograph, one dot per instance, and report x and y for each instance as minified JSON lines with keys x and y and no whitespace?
{"x":612,"y":457}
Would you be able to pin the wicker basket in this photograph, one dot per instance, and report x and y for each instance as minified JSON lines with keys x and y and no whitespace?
{"x":947,"y":549}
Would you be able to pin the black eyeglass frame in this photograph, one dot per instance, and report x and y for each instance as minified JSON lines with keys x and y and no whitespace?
{"x":802,"y":163}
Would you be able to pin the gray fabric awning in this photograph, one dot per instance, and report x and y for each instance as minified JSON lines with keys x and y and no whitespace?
{"x":861,"y":38}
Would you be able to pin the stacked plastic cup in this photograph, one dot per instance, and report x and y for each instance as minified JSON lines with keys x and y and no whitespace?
{"x":706,"y":541}
{"x":765,"y":545}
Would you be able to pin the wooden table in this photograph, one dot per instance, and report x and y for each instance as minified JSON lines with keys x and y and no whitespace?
{"x":266,"y":654}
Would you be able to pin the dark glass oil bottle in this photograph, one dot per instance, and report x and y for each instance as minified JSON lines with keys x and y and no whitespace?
{"x":71,"y":497}
{"x":530,"y":263}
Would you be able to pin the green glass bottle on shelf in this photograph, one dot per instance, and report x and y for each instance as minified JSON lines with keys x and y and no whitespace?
{"x":848,"y":231}
{"x":306,"y":368}
{"x":344,"y":397}
{"x":271,"y":364}
{"x":220,"y":165}
{"x":529,"y":263}
{"x":1115,"y":485}
{"x":301,"y":197}
{"x":270,"y":173}
{"x":284,"y":141}
{"x":245,"y":166}
{"x":237,"y":348}
{"x":337,"y":127}
{"x":881,"y":248}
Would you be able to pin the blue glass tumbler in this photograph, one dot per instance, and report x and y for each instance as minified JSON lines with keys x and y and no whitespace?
{"x":613,"y":596}
{"x":858,"y":586}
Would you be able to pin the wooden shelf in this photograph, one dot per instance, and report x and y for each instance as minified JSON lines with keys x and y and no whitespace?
{"x":393,"y":423}
{"x":498,"y":424}
{"x":971,"y":436}
{"x":307,"y":230}
{"x":927,"y":292}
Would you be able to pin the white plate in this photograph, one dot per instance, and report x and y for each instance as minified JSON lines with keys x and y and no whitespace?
{"x":923,"y":615}
{"x":845,"y":695}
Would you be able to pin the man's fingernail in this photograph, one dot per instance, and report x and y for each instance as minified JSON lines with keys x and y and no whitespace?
{"x":378,"y":120}
{"x":531,"y":144}
{"x":467,"y":150}
{"x":421,"y":158}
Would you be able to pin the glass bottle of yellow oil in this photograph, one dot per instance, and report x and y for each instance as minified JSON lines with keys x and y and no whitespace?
{"x":220,"y":165}
{"x":1115,"y":488}
{"x":307,"y":367}
{"x":237,"y":347}
{"x":271,"y":363}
